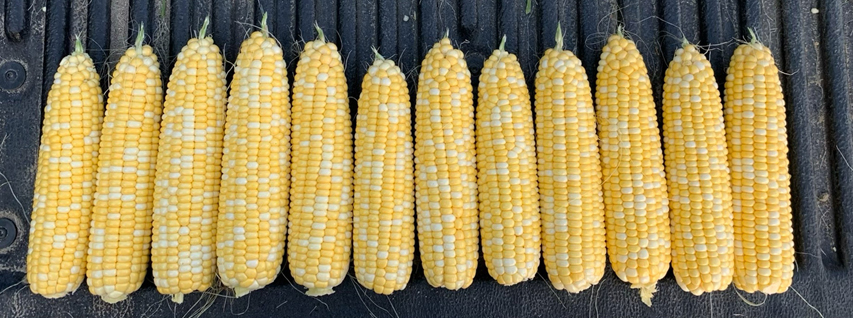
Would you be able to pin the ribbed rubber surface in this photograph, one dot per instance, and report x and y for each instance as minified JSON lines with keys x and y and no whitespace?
{"x":812,"y":41}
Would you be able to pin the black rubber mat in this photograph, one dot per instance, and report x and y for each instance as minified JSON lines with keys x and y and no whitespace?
{"x":812,"y":41}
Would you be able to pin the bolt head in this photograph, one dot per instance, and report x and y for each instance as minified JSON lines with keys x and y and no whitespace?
{"x":8,"y":232}
{"x":12,"y":75}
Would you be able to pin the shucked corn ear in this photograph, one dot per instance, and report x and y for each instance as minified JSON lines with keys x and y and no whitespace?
{"x":697,"y":174}
{"x":320,"y":233}
{"x":186,"y":190}
{"x":67,"y":164}
{"x":446,"y":169}
{"x":120,"y":236}
{"x":572,"y":206}
{"x":252,"y":221}
{"x":384,"y":208}
{"x":635,"y":197}
{"x":758,"y":154}
{"x":506,"y":158}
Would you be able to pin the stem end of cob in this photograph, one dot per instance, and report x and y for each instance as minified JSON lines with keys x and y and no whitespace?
{"x":316,"y":292}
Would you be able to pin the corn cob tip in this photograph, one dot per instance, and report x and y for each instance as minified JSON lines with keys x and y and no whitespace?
{"x":447,"y":33}
{"x":320,"y":35}
{"x":559,"y":38}
{"x":264,"y":28}
{"x":140,"y":36}
{"x":178,"y":298}
{"x":503,"y":44}
{"x":646,"y":294}
{"x":316,"y":292}
{"x":376,"y":54}
{"x":620,"y":31}
{"x":752,"y":36}
{"x":203,"y":31}
{"x":684,"y":42}
{"x":78,"y":45}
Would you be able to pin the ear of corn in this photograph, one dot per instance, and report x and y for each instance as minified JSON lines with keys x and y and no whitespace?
{"x":446,"y":169}
{"x":383,"y":216}
{"x":697,"y":174}
{"x":120,"y":236}
{"x":186,"y":191}
{"x":252,"y":221}
{"x":573,"y":244}
{"x":320,"y":233}
{"x":635,"y":198}
{"x":506,"y":158}
{"x":758,"y":154}
{"x":67,"y":164}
